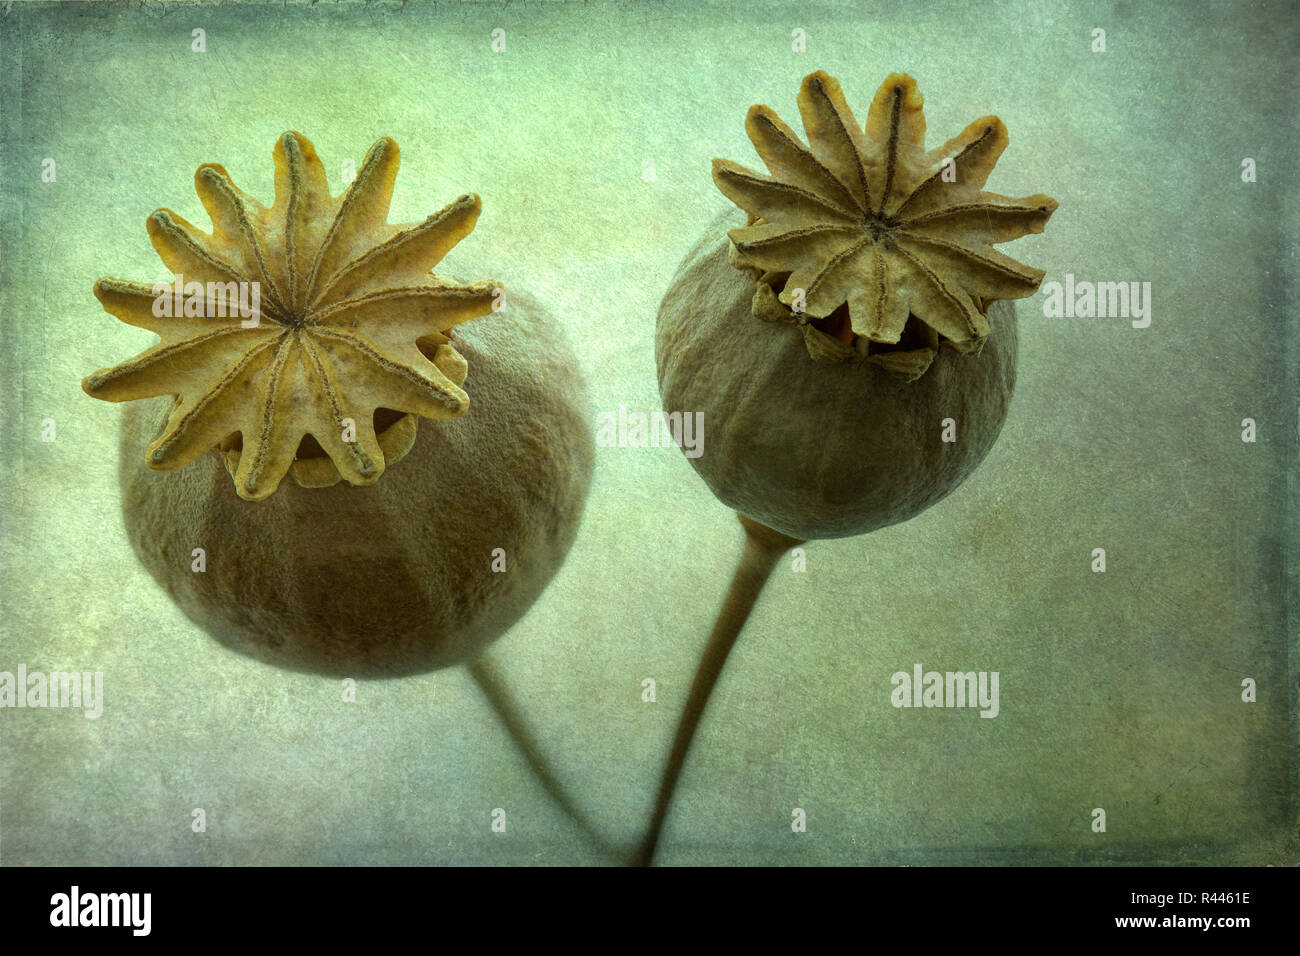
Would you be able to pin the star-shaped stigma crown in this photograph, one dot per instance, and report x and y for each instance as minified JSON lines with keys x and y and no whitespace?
{"x":862,"y":228}
{"x":302,"y":338}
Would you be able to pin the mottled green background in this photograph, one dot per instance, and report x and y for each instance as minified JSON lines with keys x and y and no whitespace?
{"x":1118,"y":690}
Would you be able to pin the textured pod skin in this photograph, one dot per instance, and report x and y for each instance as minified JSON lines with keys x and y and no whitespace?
{"x":812,"y":449}
{"x":393,"y":578}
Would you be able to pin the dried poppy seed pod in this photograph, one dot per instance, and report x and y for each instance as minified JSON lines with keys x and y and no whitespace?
{"x":826,"y":341}
{"x":424,"y":562}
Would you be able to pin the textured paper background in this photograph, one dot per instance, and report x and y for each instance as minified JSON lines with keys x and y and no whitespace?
{"x":1118,"y":690}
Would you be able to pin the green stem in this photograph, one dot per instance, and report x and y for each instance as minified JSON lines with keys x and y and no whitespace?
{"x":498,"y":694}
{"x":763,"y":548}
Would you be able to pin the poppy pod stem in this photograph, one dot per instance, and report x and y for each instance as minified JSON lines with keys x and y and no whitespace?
{"x":494,"y":688}
{"x":763,"y":548}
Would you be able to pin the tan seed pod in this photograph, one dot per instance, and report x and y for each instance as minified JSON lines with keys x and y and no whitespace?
{"x":832,"y":334}
{"x":856,"y":305}
{"x":396,"y":568}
